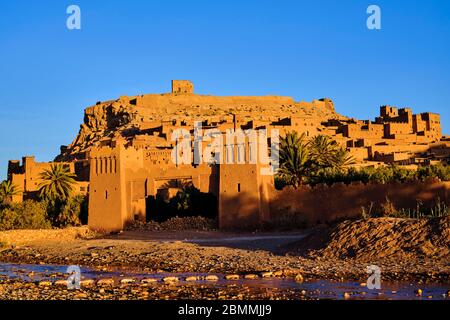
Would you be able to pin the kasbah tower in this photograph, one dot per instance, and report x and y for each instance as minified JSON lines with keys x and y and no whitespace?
{"x":122,"y":155}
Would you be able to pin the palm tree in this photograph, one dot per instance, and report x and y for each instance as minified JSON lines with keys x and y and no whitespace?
{"x":341,"y":159}
{"x":7,"y":191}
{"x":294,"y":159}
{"x":57,"y":183}
{"x":323,"y":149}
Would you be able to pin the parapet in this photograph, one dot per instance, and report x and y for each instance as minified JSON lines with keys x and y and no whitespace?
{"x":182,"y":86}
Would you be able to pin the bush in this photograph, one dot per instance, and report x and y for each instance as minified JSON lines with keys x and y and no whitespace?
{"x":387,"y":209}
{"x":381,"y":175}
{"x":27,"y":215}
{"x":71,"y":213}
{"x":437,"y":171}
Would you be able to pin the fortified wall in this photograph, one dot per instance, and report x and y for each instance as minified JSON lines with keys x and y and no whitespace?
{"x":123,"y":156}
{"x":26,"y":176}
{"x":323,"y":203}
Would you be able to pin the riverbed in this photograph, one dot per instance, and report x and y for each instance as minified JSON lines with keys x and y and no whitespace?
{"x":22,"y":281}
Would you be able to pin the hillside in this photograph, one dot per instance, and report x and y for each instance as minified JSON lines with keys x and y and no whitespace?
{"x":131,"y":116}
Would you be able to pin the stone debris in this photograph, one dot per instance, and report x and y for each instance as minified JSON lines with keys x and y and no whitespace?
{"x":105,"y":282}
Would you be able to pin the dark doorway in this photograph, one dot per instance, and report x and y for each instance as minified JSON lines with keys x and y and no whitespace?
{"x":188,"y":202}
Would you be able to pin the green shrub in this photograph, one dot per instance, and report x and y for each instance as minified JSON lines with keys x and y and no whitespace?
{"x":71,"y":213}
{"x":387,"y":209}
{"x":436,"y":171}
{"x":26,"y":215}
{"x":381,"y":175}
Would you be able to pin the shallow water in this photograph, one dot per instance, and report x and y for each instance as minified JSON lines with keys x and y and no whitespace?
{"x":318,"y":289}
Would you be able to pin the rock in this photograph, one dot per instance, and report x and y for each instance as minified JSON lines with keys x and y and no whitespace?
{"x":232,"y":277}
{"x":87,"y":283}
{"x":363,"y":284}
{"x":62,"y":283}
{"x":149,"y":280}
{"x":290,"y":272}
{"x":192,"y":278}
{"x":45,"y":284}
{"x":251,"y":276}
{"x":346,"y":295}
{"x":418,"y":292}
{"x":105,"y":282}
{"x":299,"y":278}
{"x":81,"y":295}
{"x":170,"y":279}
{"x":127,"y":281}
{"x":266,"y":274}
{"x":212,"y":278}
{"x":278,"y":273}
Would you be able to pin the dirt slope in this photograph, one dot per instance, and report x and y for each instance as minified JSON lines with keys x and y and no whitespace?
{"x":375,"y":239}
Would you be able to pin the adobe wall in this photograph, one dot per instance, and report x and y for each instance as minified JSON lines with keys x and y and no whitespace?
{"x":325,"y":203}
{"x":107,"y":206}
{"x":182,"y":86}
{"x":243,"y":196}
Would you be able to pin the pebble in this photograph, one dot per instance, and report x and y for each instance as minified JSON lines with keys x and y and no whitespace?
{"x":266,"y":274}
{"x":81,"y":296}
{"x":232,"y":277}
{"x":418,"y":292}
{"x":170,"y":279}
{"x":105,"y":282}
{"x":62,"y":283}
{"x":87,"y":283}
{"x":299,"y":278}
{"x":149,"y":280}
{"x":251,"y":276}
{"x":289,"y":272}
{"x":45,"y":284}
{"x":192,"y":278}
{"x":127,"y":281}
{"x":346,"y":295}
{"x":212,"y":278}
{"x":278,"y":273}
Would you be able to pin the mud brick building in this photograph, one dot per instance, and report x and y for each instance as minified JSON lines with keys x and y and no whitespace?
{"x":124,"y":157}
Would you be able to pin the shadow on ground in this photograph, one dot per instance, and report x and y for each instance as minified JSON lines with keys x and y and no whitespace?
{"x":266,"y":241}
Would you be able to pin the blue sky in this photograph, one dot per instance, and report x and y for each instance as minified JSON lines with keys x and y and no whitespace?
{"x":304,"y":49}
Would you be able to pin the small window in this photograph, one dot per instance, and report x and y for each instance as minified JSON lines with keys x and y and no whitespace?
{"x":106,"y":194}
{"x":239,"y":187}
